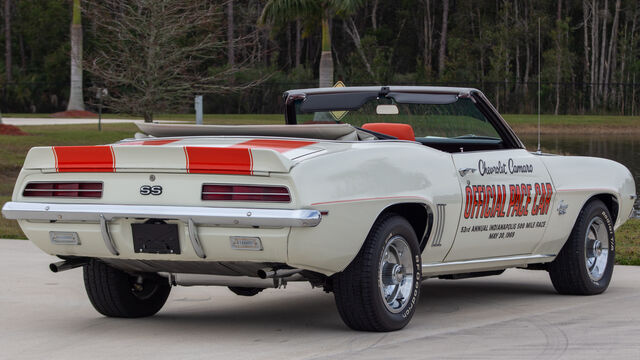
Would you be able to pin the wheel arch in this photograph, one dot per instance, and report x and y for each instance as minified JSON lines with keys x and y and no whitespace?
{"x":419,"y":215}
{"x":609,"y":200}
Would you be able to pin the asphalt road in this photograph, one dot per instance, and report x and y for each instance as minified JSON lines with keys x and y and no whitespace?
{"x":515,"y":315}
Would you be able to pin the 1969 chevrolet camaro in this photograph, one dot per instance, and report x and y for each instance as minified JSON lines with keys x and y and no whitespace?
{"x":365,"y":192}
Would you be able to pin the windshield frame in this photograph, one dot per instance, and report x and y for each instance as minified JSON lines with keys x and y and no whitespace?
{"x":509,"y":138}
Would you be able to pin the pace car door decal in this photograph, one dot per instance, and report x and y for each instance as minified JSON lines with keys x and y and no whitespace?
{"x":488,"y":201}
{"x":506,"y":203}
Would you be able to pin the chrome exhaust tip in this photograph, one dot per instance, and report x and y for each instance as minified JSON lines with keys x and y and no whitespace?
{"x":67,"y":265}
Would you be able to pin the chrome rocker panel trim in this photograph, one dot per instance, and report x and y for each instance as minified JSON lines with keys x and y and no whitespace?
{"x":199,"y":215}
{"x":501,"y":262}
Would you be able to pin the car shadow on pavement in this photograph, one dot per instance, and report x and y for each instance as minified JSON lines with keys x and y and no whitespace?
{"x":313,"y":310}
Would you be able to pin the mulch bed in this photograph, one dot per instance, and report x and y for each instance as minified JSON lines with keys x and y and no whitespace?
{"x":11,"y":130}
{"x":74,"y":114}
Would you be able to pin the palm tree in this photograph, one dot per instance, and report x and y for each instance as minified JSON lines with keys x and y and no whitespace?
{"x":284,"y":11}
{"x":7,"y":40}
{"x":75,"y":95}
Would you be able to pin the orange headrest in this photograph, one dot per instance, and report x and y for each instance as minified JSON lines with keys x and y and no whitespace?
{"x":401,"y":131}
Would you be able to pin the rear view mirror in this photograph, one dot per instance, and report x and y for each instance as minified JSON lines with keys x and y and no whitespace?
{"x":387,"y":110}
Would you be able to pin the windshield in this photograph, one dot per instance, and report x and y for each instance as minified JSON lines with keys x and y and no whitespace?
{"x":430,"y":115}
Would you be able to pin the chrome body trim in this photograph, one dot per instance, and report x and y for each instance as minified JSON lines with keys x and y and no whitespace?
{"x":440,"y":221}
{"x":242,"y":217}
{"x":106,"y":236}
{"x":195,"y":240}
{"x":524,"y":259}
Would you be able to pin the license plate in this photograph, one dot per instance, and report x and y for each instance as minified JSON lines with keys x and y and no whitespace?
{"x":156,"y":238}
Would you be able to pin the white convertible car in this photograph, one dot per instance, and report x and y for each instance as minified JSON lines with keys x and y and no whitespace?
{"x":364,"y":192}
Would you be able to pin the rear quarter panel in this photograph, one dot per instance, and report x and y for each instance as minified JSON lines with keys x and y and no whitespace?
{"x":355,"y":186}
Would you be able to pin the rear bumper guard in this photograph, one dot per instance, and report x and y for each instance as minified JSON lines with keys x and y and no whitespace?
{"x":190,"y":215}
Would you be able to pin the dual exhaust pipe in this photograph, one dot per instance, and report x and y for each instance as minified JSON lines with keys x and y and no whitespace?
{"x":281,"y":273}
{"x":264,"y":274}
{"x":67,"y":264}
{"x":267,"y":278}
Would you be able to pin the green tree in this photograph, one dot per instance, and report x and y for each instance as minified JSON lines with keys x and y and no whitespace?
{"x":153,"y":55}
{"x":284,"y":11}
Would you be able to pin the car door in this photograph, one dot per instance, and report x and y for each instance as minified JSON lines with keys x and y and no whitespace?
{"x":507,"y":195}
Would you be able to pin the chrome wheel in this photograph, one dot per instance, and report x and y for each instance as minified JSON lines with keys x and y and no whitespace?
{"x":596,"y":248}
{"x":395,"y":274}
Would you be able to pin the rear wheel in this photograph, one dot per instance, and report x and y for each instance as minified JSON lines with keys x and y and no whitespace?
{"x":114,"y":293}
{"x":378,"y":291}
{"x":585,"y":263}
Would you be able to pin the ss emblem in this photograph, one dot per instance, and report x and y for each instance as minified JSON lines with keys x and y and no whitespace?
{"x":150,"y":190}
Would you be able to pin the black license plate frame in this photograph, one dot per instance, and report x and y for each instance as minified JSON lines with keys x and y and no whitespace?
{"x":155,"y":238}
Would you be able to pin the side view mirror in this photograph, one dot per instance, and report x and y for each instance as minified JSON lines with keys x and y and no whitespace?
{"x":387,"y":110}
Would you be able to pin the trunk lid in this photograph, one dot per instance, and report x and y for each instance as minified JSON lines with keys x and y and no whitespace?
{"x":202,"y":155}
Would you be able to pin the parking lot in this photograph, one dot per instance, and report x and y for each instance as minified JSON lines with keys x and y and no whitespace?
{"x":515,"y":315}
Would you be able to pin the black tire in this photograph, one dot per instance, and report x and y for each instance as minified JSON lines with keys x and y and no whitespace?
{"x":570,"y":272}
{"x":245,"y":291}
{"x":114,"y":293}
{"x":357,"y":289}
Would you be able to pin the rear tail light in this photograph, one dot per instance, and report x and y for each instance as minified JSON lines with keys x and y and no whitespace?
{"x":245,"y":193}
{"x":64,"y":189}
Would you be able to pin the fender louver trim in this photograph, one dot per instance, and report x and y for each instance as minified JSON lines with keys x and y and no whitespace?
{"x":439,"y":224}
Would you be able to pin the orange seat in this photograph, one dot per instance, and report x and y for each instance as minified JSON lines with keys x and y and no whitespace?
{"x":400,"y":131}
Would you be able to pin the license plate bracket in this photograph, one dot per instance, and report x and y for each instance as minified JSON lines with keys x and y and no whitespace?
{"x":155,"y":238}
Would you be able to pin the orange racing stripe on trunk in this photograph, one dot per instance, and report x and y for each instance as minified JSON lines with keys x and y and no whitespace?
{"x":150,"y":142}
{"x":280,"y":146}
{"x":218,"y":160}
{"x":84,"y":158}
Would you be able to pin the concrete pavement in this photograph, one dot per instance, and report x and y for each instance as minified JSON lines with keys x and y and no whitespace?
{"x":515,"y":315}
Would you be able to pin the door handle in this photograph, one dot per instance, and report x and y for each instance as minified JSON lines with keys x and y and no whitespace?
{"x":465,"y":171}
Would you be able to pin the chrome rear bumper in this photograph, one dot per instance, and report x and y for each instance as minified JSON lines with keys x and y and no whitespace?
{"x":190,"y":215}
{"x":199,"y":215}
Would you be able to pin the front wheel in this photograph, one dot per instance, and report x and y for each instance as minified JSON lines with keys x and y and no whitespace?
{"x":378,"y":291}
{"x":585,"y":263}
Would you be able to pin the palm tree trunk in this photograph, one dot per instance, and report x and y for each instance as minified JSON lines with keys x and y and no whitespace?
{"x":326,"y":61}
{"x":230,"y":37}
{"x":298,"y":42}
{"x":558,"y":57}
{"x":7,"y":40}
{"x":75,"y":95}
{"x":443,"y":38}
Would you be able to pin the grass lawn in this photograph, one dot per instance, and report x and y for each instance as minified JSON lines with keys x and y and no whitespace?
{"x":628,"y":243}
{"x":222,"y":119}
{"x":13,"y":150}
